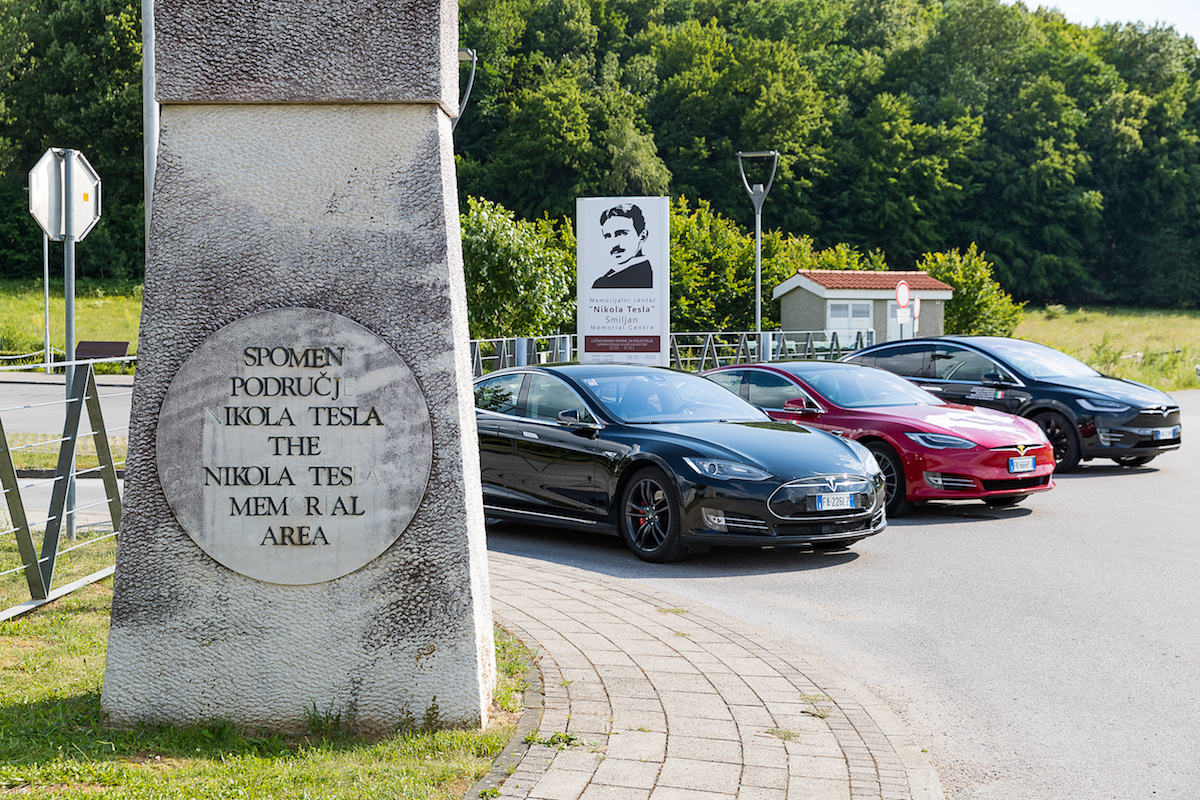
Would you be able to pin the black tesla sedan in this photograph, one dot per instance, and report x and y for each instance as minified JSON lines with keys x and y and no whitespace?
{"x":1085,"y":414}
{"x":669,"y":460}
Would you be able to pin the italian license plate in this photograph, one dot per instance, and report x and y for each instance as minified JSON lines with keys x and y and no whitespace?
{"x":1022,"y":464}
{"x":836,"y":502}
{"x":1166,"y":433}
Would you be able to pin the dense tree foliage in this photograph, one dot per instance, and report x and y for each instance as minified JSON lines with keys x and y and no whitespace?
{"x":1070,"y":154}
{"x":70,"y":76}
{"x":520,"y":275}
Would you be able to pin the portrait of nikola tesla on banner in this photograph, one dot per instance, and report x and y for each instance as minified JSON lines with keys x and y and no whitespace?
{"x":623,"y":235}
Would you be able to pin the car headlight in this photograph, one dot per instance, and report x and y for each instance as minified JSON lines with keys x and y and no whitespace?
{"x":865,"y":455}
{"x":1097,"y":406}
{"x":722,"y":470}
{"x":941,"y":441}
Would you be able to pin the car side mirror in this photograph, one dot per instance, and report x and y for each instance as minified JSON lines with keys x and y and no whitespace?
{"x":802,"y":405}
{"x":570,"y":418}
{"x":996,"y":379}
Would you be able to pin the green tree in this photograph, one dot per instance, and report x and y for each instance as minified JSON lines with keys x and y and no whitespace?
{"x":808,"y":24}
{"x":716,"y":97}
{"x":980,"y":305}
{"x":74,"y":80}
{"x":1071,"y":154}
{"x":712,"y":271}
{"x":1039,"y":212}
{"x":520,"y":275}
{"x":1151,"y":59}
{"x":887,"y":25}
{"x":712,"y":268}
{"x":899,"y":183}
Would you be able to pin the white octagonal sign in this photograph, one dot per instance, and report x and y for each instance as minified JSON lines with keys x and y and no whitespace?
{"x":49,"y":202}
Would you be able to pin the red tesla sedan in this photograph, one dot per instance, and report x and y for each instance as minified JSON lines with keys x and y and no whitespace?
{"x":928,"y":449}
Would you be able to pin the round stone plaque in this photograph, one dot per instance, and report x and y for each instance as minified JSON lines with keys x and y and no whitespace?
{"x":294,"y":446}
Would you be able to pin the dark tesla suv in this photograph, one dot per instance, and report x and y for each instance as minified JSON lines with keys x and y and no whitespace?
{"x":1085,"y":414}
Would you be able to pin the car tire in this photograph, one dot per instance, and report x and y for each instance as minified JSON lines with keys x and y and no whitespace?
{"x":1133,"y":461}
{"x":894,"y":485}
{"x":1062,"y":435}
{"x":1005,"y":502}
{"x":649,"y":517}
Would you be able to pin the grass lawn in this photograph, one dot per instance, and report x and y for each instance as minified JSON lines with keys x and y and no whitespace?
{"x":1161,"y":348}
{"x":53,"y":743}
{"x":40,"y":450}
{"x":104,"y":311}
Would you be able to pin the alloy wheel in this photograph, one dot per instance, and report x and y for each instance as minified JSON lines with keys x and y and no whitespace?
{"x":648,"y":514}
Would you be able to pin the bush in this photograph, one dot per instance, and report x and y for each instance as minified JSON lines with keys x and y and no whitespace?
{"x":520,"y":275}
{"x":980,"y":305}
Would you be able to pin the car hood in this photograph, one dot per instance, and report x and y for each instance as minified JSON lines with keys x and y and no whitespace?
{"x":984,"y":426}
{"x":786,"y":450}
{"x":1131,"y":392}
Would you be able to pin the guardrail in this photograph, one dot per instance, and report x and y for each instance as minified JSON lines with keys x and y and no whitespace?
{"x":90,"y":538}
{"x":49,"y":363}
{"x":694,"y":351}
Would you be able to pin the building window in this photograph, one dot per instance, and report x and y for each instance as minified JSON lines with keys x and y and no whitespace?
{"x":847,"y":317}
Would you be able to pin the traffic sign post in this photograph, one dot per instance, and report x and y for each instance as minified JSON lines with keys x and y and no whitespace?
{"x":916,"y":304}
{"x":64,"y":198}
{"x":903,"y":313}
{"x":64,"y":194}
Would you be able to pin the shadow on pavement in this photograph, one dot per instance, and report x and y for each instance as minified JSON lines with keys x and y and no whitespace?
{"x":598,"y":552}
{"x":1104,"y":469}
{"x":956,"y":513}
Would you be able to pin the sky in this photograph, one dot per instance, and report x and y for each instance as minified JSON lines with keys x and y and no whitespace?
{"x":1184,"y":15}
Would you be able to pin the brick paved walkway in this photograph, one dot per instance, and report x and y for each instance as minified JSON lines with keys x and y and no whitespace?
{"x":658,"y":698}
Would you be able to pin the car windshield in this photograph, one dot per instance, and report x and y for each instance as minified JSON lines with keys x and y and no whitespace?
{"x":863,"y":387}
{"x":658,"y":396}
{"x":1039,"y":361}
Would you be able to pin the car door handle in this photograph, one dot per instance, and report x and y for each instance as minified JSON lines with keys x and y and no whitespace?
{"x":931,"y":388}
{"x":530,"y":435}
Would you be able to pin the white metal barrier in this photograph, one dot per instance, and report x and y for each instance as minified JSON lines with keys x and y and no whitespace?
{"x":68,"y":525}
{"x":694,"y":351}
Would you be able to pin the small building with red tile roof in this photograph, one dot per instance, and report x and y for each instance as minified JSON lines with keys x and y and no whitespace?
{"x":849,"y":301}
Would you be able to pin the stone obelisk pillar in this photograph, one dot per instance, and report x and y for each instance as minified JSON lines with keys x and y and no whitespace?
{"x":303,"y":526}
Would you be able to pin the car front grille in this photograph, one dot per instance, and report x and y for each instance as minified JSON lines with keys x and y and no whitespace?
{"x":1009,"y":484}
{"x":797,"y":500}
{"x":1156,"y":418}
{"x":827,"y":528}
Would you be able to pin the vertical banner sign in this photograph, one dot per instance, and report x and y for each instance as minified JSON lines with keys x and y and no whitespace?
{"x":624,"y":279}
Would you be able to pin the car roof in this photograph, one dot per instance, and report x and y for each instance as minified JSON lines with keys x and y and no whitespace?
{"x":957,"y":338}
{"x":814,"y":365}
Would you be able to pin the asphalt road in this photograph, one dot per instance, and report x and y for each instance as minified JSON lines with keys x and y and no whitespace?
{"x":1044,"y":652}
{"x":34,"y":403}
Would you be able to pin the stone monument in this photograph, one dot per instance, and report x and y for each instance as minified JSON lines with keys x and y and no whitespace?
{"x":303,"y":526}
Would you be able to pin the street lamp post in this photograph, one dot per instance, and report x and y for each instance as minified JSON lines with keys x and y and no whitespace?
{"x":466,"y":55}
{"x":758,"y":193}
